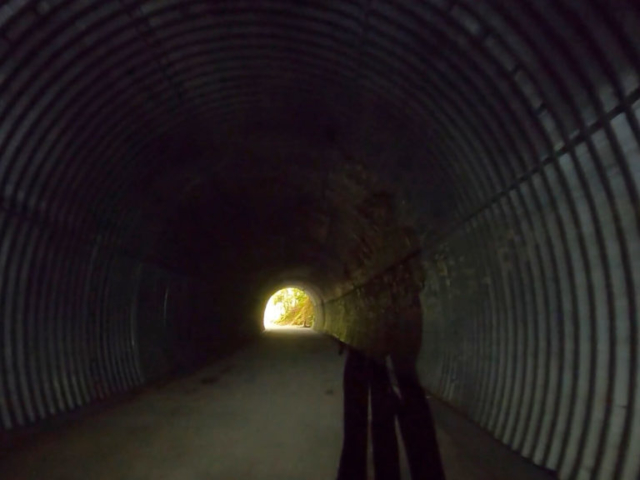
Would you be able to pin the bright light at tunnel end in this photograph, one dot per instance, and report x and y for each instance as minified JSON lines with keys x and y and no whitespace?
{"x":272,"y":313}
{"x":289,"y":307}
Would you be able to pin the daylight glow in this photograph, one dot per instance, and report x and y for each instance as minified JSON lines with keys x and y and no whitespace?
{"x":272,"y":312}
{"x":289,"y":307}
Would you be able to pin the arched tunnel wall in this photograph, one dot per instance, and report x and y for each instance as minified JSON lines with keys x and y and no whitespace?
{"x":480,"y":156}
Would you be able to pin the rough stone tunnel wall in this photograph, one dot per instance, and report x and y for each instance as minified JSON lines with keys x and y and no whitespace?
{"x":482,"y":155}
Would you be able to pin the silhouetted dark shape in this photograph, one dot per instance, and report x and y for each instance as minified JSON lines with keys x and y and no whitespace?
{"x":365,"y":378}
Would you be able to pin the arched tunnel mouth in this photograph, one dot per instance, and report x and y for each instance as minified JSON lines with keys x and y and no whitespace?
{"x":456,"y":181}
{"x":289,"y":307}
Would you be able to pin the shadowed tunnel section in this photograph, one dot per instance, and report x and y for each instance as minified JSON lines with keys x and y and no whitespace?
{"x":166,"y":165}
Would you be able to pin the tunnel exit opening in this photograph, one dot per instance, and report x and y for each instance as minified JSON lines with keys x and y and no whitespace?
{"x":289,"y":307}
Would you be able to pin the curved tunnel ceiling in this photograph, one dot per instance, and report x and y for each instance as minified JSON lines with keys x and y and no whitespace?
{"x":160,"y":159}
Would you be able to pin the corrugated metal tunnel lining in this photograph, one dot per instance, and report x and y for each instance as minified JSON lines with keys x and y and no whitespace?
{"x":150,"y":148}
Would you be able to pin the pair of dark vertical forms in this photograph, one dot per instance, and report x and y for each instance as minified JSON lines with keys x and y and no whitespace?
{"x":367,"y":381}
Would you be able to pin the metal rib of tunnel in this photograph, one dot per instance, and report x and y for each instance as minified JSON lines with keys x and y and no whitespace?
{"x":149,"y":148}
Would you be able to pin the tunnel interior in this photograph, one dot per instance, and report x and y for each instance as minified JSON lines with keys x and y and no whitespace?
{"x":166,"y":165}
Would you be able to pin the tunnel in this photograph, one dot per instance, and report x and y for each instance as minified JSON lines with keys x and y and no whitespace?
{"x":457,"y":179}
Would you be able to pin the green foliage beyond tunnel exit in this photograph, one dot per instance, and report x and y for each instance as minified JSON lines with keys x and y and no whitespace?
{"x":289,"y":307}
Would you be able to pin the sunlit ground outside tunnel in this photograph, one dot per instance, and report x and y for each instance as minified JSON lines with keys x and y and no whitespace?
{"x":289,"y":307}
